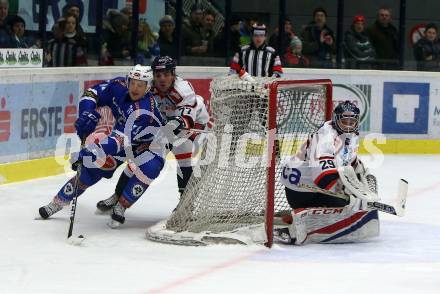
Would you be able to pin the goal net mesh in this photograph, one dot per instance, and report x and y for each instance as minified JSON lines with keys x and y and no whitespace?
{"x":229,"y":188}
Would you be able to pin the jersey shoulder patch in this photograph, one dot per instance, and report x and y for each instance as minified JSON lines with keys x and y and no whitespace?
{"x":118,"y":81}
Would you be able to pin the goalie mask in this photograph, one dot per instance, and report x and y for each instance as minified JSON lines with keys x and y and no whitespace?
{"x":346,"y":117}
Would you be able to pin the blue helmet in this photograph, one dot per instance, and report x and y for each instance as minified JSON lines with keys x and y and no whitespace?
{"x":164,"y":63}
{"x":346,"y":117}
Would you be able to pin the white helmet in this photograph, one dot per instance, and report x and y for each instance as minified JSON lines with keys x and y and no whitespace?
{"x":141,"y":73}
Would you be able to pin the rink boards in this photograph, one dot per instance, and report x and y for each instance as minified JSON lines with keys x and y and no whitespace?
{"x":401,"y":107}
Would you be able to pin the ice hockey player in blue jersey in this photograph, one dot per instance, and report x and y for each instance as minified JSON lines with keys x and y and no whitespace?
{"x":177,"y":100}
{"x":138,"y":123}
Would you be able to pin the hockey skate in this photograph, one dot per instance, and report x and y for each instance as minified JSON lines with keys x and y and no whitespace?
{"x":53,"y":207}
{"x":117,"y":217}
{"x":106,"y":205}
{"x":282,"y":235}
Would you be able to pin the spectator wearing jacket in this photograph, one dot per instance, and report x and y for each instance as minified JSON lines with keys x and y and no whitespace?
{"x":293,"y":56}
{"x":66,"y":48}
{"x":427,"y":50}
{"x":359,"y":52}
{"x":17,"y":28}
{"x":319,"y":40}
{"x":384,"y":37}
{"x":286,"y":37}
{"x":167,"y":37}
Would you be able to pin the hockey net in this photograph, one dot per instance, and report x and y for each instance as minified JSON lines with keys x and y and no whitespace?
{"x":238,"y":193}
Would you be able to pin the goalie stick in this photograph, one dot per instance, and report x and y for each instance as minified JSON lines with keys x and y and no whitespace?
{"x":398,"y":209}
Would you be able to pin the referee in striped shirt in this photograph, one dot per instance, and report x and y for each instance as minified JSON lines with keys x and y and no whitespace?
{"x":256,"y":59}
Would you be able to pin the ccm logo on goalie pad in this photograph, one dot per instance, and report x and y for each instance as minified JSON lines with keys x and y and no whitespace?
{"x":292,"y":174}
{"x":326,"y":211}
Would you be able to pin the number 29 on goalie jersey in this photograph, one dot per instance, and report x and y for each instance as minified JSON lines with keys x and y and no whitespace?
{"x":318,"y":159}
{"x":324,"y":174}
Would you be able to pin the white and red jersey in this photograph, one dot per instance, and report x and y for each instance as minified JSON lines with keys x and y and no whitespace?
{"x":202,"y":115}
{"x":319,"y":157}
{"x":179,"y":101}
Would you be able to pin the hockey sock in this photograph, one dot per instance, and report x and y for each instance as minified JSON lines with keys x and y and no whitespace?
{"x":67,"y":191}
{"x":122,"y":182}
{"x":183,"y":181}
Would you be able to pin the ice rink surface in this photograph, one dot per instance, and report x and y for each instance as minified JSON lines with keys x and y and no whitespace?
{"x":35,"y":257}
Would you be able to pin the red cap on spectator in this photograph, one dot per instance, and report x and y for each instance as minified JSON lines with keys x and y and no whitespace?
{"x":358,"y":18}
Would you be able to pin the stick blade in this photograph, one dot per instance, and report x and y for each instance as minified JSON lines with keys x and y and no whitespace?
{"x":402,"y":193}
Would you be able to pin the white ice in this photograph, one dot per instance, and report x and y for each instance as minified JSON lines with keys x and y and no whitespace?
{"x":35,"y":257}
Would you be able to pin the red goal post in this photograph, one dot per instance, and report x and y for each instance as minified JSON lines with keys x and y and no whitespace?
{"x":274,"y":86}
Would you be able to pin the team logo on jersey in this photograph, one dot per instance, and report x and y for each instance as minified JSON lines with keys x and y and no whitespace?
{"x":68,"y":189}
{"x":137,"y":190}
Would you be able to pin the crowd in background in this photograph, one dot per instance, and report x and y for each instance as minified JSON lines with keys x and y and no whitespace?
{"x":365,"y":46}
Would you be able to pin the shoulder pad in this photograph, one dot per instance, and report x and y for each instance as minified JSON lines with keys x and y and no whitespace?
{"x":118,"y":80}
{"x":270,"y":49}
{"x":183,"y":88}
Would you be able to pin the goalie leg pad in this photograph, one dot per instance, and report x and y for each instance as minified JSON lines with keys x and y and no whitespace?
{"x":333,"y":225}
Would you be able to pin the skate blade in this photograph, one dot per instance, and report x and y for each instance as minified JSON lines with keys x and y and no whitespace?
{"x":113,"y":224}
{"x":103,"y":212}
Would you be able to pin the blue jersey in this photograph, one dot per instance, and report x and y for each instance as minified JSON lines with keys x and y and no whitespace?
{"x":114,"y":94}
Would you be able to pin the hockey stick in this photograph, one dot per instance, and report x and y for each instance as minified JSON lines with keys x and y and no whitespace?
{"x":75,"y":240}
{"x":198,"y":131}
{"x":398,"y":209}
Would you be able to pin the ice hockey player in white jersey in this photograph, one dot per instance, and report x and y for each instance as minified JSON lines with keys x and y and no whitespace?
{"x":318,"y":217}
{"x":176,"y":98}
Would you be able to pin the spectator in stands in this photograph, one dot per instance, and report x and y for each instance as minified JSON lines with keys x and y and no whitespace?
{"x":113,"y":42}
{"x":68,"y":50}
{"x":4,"y":31}
{"x":148,"y":47}
{"x":195,"y":22}
{"x":319,"y":40}
{"x":286,"y":38}
{"x":75,"y":7}
{"x":192,"y":38}
{"x":293,"y":56}
{"x":55,"y":43}
{"x":207,"y":31}
{"x":128,"y":11}
{"x":256,"y":59}
{"x":17,"y":27}
{"x":427,"y":50}
{"x":359,"y":52}
{"x":384,"y":37}
{"x":234,"y":39}
{"x":167,"y":38}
